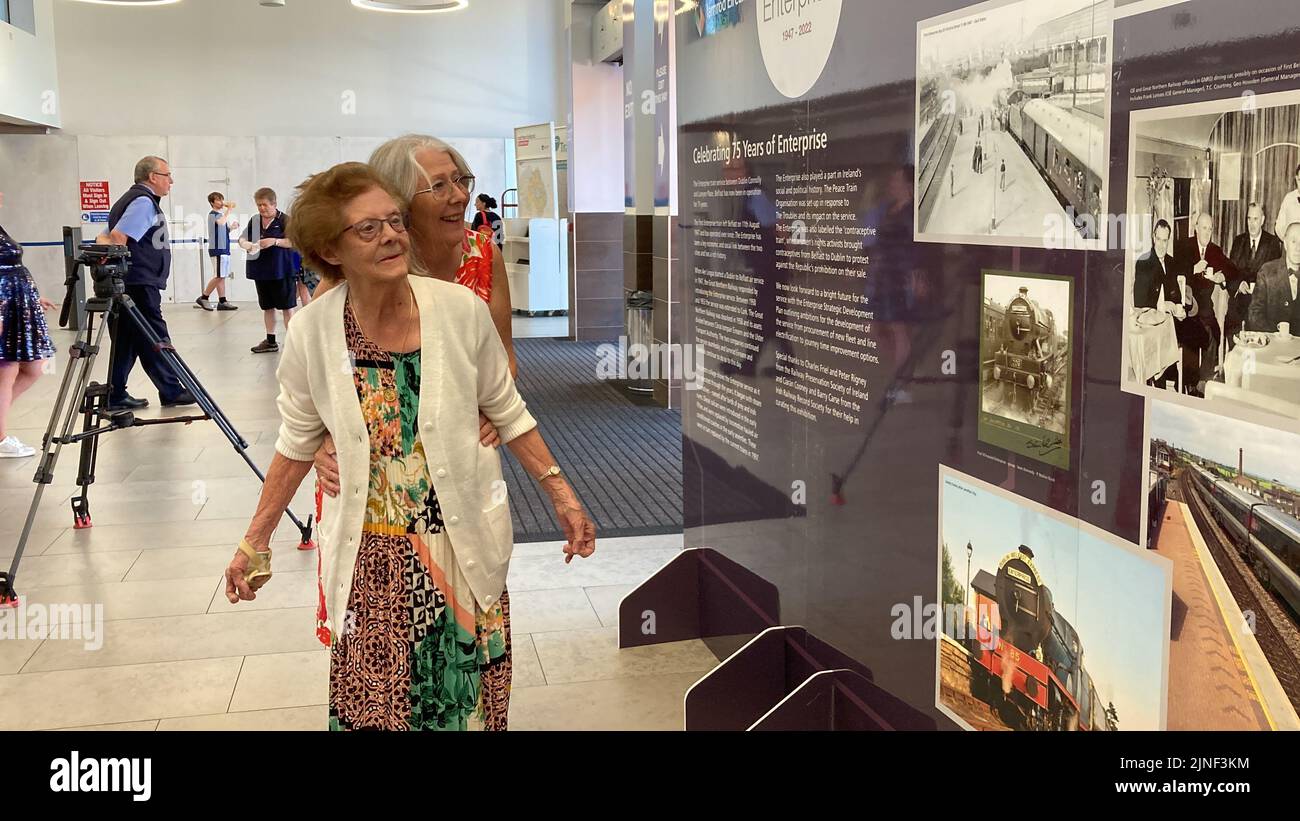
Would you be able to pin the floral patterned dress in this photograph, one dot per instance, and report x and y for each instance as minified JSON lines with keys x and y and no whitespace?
{"x":475,"y":271}
{"x":415,"y":652}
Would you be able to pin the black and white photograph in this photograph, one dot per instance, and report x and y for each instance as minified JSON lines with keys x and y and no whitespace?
{"x":1025,"y":365}
{"x":1012,"y":101}
{"x":1210,"y":281}
{"x":1128,"y":8}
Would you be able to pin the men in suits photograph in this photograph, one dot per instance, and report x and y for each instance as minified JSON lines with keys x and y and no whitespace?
{"x":1276,"y":299}
{"x":1208,"y":271}
{"x":1155,"y":285}
{"x":1250,"y":250}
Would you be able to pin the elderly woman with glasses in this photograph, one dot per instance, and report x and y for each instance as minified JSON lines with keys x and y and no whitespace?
{"x":415,"y":549}
{"x":435,"y":183}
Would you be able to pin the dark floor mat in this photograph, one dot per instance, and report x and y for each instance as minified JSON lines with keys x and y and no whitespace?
{"x":623,"y":458}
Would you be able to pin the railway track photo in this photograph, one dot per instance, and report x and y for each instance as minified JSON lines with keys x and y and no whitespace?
{"x":1274,"y":622}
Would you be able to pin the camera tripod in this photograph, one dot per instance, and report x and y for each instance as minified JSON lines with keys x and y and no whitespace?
{"x":77,"y":395}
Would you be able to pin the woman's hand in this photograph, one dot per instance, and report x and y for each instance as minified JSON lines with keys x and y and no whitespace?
{"x":487,"y":433}
{"x":327,"y":467}
{"x":579,"y":530}
{"x":47,"y":305}
{"x":238,"y":588}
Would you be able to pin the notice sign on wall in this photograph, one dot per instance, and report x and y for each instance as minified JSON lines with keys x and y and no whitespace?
{"x":94,"y":195}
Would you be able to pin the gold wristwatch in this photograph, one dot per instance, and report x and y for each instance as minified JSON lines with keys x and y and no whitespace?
{"x":553,"y":470}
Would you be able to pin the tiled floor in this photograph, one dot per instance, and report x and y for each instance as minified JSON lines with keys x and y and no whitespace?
{"x":170,"y":502}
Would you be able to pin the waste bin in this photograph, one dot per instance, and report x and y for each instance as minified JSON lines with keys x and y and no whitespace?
{"x":640,"y":341}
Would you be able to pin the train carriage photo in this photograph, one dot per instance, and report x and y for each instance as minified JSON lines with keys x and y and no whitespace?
{"x":1066,"y":148}
{"x":1267,"y":538}
{"x":1011,"y":107}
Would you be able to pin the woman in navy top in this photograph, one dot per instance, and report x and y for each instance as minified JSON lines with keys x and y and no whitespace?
{"x":270,"y":265}
{"x":24,"y":336}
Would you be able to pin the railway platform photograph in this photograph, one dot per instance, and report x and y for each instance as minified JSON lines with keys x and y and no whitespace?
{"x":1011,"y":123}
{"x":1212,"y":188}
{"x":1025,"y":365}
{"x":1064,"y":625}
{"x":1221,"y":505}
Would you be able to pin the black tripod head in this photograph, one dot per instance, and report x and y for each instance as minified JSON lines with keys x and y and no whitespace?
{"x":108,"y":265}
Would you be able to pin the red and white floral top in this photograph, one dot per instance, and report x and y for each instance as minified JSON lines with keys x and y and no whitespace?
{"x":475,"y":271}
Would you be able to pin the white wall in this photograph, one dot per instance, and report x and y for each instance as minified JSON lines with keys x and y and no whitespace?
{"x":596,"y":135}
{"x":31,"y":168}
{"x":271,"y":95}
{"x":39,"y":175}
{"x":232,"y":67}
{"x":28,"y":72}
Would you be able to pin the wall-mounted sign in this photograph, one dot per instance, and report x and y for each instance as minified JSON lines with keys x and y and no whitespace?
{"x":712,"y":16}
{"x":94,"y":195}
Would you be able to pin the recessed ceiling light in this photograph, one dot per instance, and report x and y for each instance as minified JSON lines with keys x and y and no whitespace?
{"x":130,"y":2}
{"x":411,"y":6}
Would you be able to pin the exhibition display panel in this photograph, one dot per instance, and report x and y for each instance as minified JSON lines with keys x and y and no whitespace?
{"x":998,"y":407}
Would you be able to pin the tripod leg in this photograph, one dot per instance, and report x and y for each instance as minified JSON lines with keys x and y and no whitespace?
{"x":93,"y":407}
{"x":71,"y":396}
{"x":188,"y":380}
{"x":191,"y":383}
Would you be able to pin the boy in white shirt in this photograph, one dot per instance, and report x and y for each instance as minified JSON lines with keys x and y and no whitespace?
{"x":220,"y":228}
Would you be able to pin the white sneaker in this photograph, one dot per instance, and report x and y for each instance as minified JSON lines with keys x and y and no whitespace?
{"x":11,"y":448}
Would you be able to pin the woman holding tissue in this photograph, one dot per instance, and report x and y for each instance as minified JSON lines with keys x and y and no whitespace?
{"x":416,"y":548}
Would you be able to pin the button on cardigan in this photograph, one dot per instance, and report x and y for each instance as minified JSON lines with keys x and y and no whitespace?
{"x":463,"y":369}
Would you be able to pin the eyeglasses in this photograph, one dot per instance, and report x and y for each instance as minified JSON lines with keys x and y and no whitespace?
{"x":166,"y":174}
{"x":368,"y":230}
{"x":441,"y":190}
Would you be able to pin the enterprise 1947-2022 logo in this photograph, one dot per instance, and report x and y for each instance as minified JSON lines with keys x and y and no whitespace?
{"x":796,"y":37}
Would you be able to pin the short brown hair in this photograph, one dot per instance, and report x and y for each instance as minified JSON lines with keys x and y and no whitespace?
{"x":267,"y":194}
{"x":214,"y":196}
{"x":318,"y":212}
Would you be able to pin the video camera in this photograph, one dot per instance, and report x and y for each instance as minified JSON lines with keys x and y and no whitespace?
{"x":108,"y":265}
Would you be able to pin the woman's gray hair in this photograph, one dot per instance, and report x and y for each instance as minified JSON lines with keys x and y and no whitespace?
{"x":395,"y":162}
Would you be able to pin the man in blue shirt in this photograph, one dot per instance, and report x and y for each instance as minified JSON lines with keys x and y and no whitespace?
{"x":270,"y":265}
{"x":137,"y":221}
{"x":220,"y":227}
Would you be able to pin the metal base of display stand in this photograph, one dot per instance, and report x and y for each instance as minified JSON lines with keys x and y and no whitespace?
{"x":699,"y":594}
{"x":770,"y":677}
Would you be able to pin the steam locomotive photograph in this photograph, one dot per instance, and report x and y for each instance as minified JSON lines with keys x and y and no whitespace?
{"x":1025,"y":364}
{"x":1050,"y":624}
{"x":1011,"y":124}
